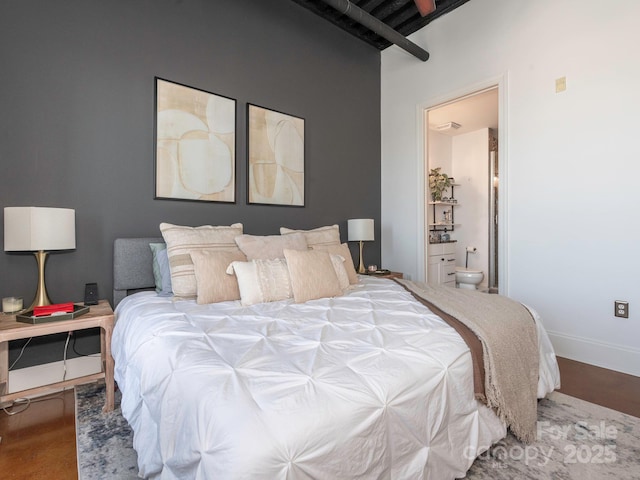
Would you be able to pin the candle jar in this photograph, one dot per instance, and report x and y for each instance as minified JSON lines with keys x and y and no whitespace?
{"x":11,"y":304}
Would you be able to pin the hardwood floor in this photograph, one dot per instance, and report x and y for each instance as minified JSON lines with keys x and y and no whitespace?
{"x":597,"y":385}
{"x":40,"y":442}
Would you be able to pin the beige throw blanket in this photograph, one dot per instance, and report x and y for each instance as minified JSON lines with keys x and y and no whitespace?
{"x":509,"y":340}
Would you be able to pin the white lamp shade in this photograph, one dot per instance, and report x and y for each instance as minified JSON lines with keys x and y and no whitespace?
{"x":360,"y":229}
{"x":39,"y":228}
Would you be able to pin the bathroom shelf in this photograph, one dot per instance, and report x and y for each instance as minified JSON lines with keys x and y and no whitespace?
{"x":439,"y":226}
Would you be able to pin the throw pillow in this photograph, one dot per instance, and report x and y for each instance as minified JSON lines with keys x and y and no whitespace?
{"x":329,"y":235}
{"x":343,"y":251}
{"x":270,"y":246}
{"x":161,"y":271}
{"x":213,"y":283}
{"x":312,"y":275}
{"x":262,"y":281}
{"x":182,"y":241}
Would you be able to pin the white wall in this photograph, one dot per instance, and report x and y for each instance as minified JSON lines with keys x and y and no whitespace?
{"x":440,"y":151}
{"x":573,"y":157}
{"x":470,"y":159}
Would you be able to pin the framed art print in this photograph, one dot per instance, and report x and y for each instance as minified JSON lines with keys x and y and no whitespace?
{"x":195,"y":144}
{"x":276,"y":157}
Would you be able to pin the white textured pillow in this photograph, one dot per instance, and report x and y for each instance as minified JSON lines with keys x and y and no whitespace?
{"x":312,"y":275}
{"x":343,"y":251}
{"x":329,"y":235}
{"x":261,"y":281}
{"x":181,"y":241}
{"x":270,"y":246}
{"x":213,"y":283}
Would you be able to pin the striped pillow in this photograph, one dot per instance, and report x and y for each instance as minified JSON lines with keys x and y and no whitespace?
{"x":181,"y":241}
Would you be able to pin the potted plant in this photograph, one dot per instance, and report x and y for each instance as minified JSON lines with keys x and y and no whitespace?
{"x":438,"y":183}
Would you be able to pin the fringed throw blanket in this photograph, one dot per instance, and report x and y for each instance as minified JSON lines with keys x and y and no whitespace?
{"x":509,"y":341}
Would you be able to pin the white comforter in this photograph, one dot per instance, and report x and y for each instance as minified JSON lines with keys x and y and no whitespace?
{"x":367,"y":385}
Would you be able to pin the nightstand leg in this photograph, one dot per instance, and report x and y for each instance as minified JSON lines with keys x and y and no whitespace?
{"x":107,"y":366}
{"x":4,"y":368}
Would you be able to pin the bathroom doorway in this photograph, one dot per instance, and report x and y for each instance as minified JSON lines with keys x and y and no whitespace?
{"x":462,"y":140}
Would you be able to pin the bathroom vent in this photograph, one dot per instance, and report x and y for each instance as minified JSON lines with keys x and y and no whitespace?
{"x":447,"y":126}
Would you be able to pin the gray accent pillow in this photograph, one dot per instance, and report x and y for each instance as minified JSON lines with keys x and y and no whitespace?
{"x":161,"y":271}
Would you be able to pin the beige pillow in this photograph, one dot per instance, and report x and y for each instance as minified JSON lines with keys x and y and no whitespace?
{"x":312,"y":275}
{"x":262,"y":281}
{"x":343,"y":251}
{"x":329,"y":235}
{"x":181,"y":241}
{"x":269,"y":246}
{"x":338,"y":265}
{"x":213,"y":283}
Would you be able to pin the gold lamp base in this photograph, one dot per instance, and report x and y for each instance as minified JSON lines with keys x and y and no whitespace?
{"x":361,"y":268}
{"x":42,"y":298}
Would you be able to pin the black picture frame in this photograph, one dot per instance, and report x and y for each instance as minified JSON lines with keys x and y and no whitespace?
{"x":275,"y":157}
{"x":194,"y":144}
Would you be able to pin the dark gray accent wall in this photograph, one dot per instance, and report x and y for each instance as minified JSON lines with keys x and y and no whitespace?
{"x":77,"y":112}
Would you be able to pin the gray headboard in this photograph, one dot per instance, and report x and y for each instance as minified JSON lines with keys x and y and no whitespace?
{"x":132,"y":266}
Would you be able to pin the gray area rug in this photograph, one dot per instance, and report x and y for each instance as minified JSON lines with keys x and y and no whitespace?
{"x":104,"y":440}
{"x":577,"y":440}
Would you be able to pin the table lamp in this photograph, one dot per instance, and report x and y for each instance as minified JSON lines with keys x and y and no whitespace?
{"x":360,"y":230}
{"x":39,"y":230}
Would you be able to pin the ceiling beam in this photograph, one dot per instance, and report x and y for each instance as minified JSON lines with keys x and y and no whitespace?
{"x":362,"y":17}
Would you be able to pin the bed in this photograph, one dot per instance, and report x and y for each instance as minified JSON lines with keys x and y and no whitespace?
{"x":370,"y":384}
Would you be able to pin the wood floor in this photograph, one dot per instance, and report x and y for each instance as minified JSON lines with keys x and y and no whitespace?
{"x":40,"y":443}
{"x":601,"y":386}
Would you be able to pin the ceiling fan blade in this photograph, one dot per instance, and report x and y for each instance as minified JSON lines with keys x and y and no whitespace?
{"x":425,"y":7}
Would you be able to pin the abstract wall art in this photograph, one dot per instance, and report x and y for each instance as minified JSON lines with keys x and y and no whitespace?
{"x":195,"y":144}
{"x":276,"y":157}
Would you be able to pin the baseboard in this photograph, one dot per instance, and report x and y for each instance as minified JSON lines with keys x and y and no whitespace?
{"x":606,"y":355}
{"x":39,"y":375}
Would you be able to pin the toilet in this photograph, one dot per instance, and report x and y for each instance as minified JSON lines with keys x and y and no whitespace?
{"x":468,"y":278}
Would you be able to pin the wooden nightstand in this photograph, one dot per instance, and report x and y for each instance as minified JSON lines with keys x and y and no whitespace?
{"x":386,"y":275}
{"x":100,"y":315}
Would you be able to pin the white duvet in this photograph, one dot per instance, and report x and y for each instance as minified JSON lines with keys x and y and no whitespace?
{"x":369,"y":385}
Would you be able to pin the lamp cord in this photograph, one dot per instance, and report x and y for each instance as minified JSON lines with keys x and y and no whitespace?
{"x":20,"y":355}
{"x":26,"y":402}
{"x":64,"y":357}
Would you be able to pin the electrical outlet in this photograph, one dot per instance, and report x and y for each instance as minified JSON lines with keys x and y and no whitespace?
{"x":621,"y":309}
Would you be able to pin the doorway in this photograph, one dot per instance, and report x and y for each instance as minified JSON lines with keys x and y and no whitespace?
{"x":462,"y":141}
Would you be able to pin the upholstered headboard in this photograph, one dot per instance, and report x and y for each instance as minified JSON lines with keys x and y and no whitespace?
{"x":132,"y":266}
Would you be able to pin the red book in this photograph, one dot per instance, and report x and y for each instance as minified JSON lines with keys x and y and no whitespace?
{"x":51,"y":309}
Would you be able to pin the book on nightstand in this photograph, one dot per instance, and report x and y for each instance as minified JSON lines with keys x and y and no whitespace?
{"x":29,"y":317}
